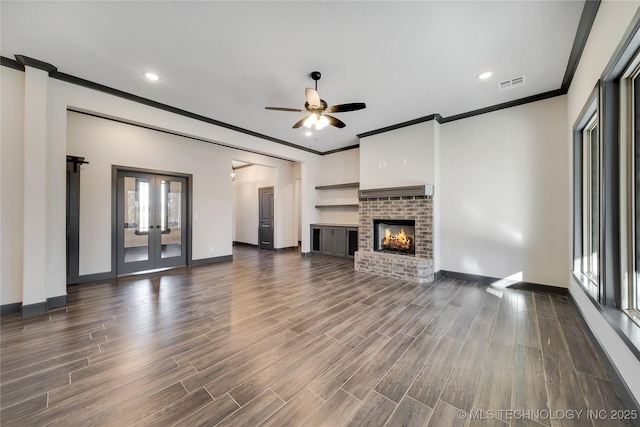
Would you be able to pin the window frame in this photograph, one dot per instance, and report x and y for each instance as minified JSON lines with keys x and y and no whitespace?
{"x":589,"y":248}
{"x":616,"y":222}
{"x":589,"y":116}
{"x":630,"y":162}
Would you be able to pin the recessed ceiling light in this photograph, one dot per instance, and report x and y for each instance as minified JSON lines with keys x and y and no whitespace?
{"x":152,"y":76}
{"x":485,"y":75}
{"x":308,"y":133}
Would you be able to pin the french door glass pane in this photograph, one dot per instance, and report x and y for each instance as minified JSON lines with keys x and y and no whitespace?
{"x":136,"y":213}
{"x":171,"y":218}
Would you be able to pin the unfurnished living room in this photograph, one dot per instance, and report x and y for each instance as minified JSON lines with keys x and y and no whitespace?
{"x":320,"y":213}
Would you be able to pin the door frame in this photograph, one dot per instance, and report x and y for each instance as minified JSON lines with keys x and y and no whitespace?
{"x":115,"y":170}
{"x":73,"y":220}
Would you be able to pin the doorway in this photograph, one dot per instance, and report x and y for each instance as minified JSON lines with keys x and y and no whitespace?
{"x":151,"y":229}
{"x":265,"y":217}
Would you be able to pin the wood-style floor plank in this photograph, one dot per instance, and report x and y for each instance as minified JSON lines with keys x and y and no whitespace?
{"x":211,"y":414}
{"x":429,"y":383}
{"x":410,"y":413}
{"x":460,"y":390}
{"x":529,"y":388}
{"x":396,"y":382}
{"x":280,"y":340}
{"x":363,"y":381}
{"x":374,"y":411}
{"x":254,"y":412}
{"x":334,"y":412}
{"x":296,"y":411}
{"x":563,"y":389}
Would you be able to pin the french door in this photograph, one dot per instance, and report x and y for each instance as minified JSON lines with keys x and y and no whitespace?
{"x":151,"y":221}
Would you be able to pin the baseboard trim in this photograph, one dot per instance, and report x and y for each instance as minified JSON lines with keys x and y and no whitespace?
{"x":205,"y":261}
{"x":287,"y":249}
{"x":55,"y":302}
{"x":526,"y":286}
{"x":251,"y":245}
{"x":619,"y":384}
{"x":9,"y":309}
{"x":306,"y":254}
{"x":96,"y":277}
{"x":33,"y":309}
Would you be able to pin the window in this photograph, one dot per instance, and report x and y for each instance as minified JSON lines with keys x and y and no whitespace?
{"x":630,"y":118}
{"x":634,"y":292}
{"x":591,"y":207}
{"x":606,"y":191}
{"x":587,"y":206}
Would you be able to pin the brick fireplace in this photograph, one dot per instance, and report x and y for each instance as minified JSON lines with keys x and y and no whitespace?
{"x":397,"y":205}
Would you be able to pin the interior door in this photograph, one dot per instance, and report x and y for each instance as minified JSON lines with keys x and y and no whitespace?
{"x":265,"y":225}
{"x":171,"y":214}
{"x":151,"y":215}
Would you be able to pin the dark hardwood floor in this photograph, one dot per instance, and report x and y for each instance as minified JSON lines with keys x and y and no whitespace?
{"x":278,"y":340}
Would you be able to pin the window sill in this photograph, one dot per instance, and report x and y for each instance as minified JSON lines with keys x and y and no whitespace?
{"x":626,"y":328}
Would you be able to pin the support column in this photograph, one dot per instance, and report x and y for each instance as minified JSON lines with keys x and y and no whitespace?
{"x":34,"y":295}
{"x":437,"y":197}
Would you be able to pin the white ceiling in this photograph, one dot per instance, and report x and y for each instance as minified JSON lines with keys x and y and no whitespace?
{"x":228,"y":60}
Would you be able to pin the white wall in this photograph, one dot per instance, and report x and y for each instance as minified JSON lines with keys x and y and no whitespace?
{"x":402,"y":157}
{"x":297,"y":199}
{"x":503,"y":195}
{"x":11,"y":190}
{"x":105,"y":143}
{"x":339,"y":168}
{"x":285,"y":230}
{"x":499,"y":197}
{"x":611,"y":23}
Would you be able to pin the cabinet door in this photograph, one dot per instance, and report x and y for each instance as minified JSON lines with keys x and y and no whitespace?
{"x":316,"y":232}
{"x":352,"y":241}
{"x":326,"y":239}
{"x":340,"y":242}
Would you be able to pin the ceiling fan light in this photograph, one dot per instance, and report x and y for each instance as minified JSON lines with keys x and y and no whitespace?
{"x":322,"y":122}
{"x":311,"y":120}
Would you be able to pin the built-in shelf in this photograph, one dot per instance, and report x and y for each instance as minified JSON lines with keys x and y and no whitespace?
{"x":338,"y":186}
{"x":338,"y":205}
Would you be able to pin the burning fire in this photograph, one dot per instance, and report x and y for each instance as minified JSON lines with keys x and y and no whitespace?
{"x":398,"y":242}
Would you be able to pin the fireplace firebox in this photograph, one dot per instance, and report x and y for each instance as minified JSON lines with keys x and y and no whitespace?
{"x":396,"y":236}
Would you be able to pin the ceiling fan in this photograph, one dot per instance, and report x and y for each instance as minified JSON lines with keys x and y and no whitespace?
{"x":318,"y":108}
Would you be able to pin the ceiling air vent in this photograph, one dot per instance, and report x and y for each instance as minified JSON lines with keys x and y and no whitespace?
{"x":512,"y":83}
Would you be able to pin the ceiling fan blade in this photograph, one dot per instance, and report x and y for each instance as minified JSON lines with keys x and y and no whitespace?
{"x":313,"y":99}
{"x":335,"y":122}
{"x":297,"y":110}
{"x":341,"y":108}
{"x":300,"y":123}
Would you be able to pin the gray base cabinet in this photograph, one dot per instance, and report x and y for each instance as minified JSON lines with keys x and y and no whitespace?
{"x":334,"y":240}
